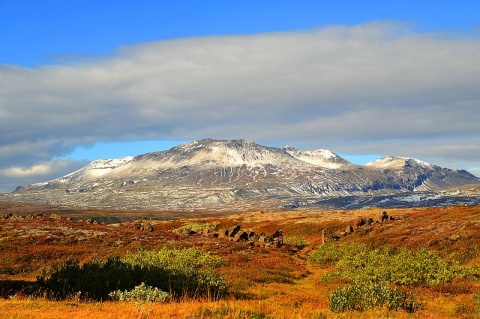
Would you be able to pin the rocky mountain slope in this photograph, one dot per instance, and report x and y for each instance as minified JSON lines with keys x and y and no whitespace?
{"x":235,"y":175}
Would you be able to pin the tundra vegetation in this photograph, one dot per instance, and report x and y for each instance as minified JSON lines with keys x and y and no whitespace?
{"x":425,"y":264}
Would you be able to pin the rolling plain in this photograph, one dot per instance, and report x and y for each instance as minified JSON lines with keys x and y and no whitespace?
{"x":301,"y":274}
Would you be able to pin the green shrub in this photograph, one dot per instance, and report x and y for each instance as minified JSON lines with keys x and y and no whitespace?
{"x":373,"y":272}
{"x":228,"y":312}
{"x":298,"y":242}
{"x":476,"y":300}
{"x":370,"y":295}
{"x":185,"y":272}
{"x":197,"y":227}
{"x":405,"y":267}
{"x":93,"y":280}
{"x":140,"y":293}
{"x":181,"y":272}
{"x":331,"y":253}
{"x":401,"y":267}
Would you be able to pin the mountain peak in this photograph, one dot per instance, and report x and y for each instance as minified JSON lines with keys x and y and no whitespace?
{"x":398,"y":162}
{"x":319,"y":157}
{"x":223,"y":153}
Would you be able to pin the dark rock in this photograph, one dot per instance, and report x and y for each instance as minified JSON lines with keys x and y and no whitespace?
{"x":235,"y":230}
{"x":265,"y":240}
{"x":328,"y":237}
{"x":383,"y":216}
{"x":349,"y":229}
{"x":148,"y":227}
{"x":189,"y":232}
{"x":277,"y":234}
{"x":360,"y":222}
{"x":253,"y":236}
{"x":241,"y":236}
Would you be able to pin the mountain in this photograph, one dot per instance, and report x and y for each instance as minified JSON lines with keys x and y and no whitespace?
{"x":236,"y":175}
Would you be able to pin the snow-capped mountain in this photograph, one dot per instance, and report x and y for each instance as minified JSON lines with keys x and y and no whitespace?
{"x":235,"y":175}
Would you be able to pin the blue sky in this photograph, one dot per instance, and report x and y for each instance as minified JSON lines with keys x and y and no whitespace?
{"x":48,"y":32}
{"x":81,"y":80}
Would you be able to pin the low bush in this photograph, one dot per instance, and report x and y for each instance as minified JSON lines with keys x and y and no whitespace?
{"x":331,"y":253}
{"x":140,"y":293}
{"x":371,"y":295}
{"x":374,"y":272}
{"x":298,"y":242}
{"x":404,"y":267}
{"x":228,"y":312}
{"x":184,"y":273}
{"x":197,"y":227}
{"x":476,"y":300}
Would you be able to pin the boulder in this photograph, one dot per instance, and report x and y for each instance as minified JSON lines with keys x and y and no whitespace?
{"x":454,"y":237}
{"x":265,"y":240}
{"x":383,"y":216}
{"x":252,"y":236}
{"x":55,"y":216}
{"x":235,"y":230}
{"x":277,"y":238}
{"x":148,"y":227}
{"x":241,"y":236}
{"x":206,"y":232}
{"x":349,"y":229}
{"x":187,"y":232}
{"x":360,"y":222}
{"x":277,"y":234}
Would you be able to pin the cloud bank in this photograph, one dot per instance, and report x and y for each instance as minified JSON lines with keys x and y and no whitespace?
{"x":375,"y":88}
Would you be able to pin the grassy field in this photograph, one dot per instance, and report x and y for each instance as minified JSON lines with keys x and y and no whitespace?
{"x":295,"y":280}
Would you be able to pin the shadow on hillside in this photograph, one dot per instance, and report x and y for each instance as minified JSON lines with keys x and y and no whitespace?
{"x":10,"y":288}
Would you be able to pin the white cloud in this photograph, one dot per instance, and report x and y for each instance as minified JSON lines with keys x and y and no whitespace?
{"x":34,"y":171}
{"x":14,"y":176}
{"x":347,"y":88}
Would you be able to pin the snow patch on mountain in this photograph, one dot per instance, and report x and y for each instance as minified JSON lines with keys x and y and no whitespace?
{"x":214,"y":153}
{"x":397,"y":163}
{"x":320,"y":157}
{"x":93,"y":170}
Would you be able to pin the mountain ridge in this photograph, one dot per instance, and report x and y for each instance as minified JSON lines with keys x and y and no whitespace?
{"x":236,"y":174}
